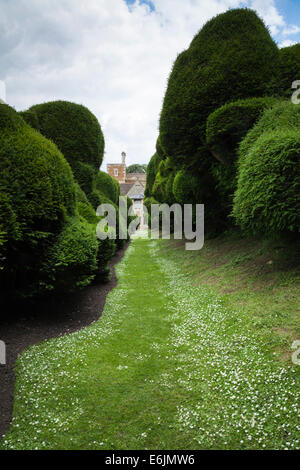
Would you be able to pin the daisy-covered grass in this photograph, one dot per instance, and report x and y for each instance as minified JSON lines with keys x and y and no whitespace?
{"x":169,"y":365}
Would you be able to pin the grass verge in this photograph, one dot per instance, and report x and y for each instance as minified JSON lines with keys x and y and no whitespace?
{"x":175,"y":362}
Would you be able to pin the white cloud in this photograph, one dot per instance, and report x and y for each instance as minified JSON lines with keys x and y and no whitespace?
{"x":291,"y":30}
{"x":268,"y":11}
{"x":112,"y":59}
{"x":286,"y":43}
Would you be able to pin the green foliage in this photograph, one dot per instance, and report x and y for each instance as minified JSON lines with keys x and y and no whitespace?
{"x":228,"y":125}
{"x":107,"y":247}
{"x":136,"y":168}
{"x":185,"y":187}
{"x":74,"y":129}
{"x":71,"y":262}
{"x":84,"y":207}
{"x":199,"y":188}
{"x":31,"y":119}
{"x":152,"y":169}
{"x":158,"y":187}
{"x":289,"y":68}
{"x":160,"y":150}
{"x":148,"y":201}
{"x":37,"y":194}
{"x":232,"y":57}
{"x":85,"y":175}
{"x":34,"y":176}
{"x":108,"y":186}
{"x":284,"y":115}
{"x":169,"y":196}
{"x":267,"y":199}
{"x":225,"y":129}
{"x":77,"y":133}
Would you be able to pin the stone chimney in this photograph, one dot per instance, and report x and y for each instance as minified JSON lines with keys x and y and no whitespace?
{"x":123,"y":158}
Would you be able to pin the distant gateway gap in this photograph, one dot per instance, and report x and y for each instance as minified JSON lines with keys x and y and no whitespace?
{"x":131,"y":184}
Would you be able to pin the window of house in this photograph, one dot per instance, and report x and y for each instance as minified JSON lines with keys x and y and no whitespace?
{"x":116,"y":172}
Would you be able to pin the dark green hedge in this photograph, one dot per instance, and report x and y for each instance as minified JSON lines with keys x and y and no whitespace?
{"x":289,"y":68}
{"x":84,"y":207}
{"x":225,"y":129}
{"x":31,"y":119}
{"x":37,"y":195}
{"x":228,"y":125}
{"x":47,"y":224}
{"x":34,"y":176}
{"x":85,"y":175}
{"x":108,"y":186}
{"x":74,"y":129}
{"x":282,"y":115}
{"x":105,"y":248}
{"x":185,"y":188}
{"x":232,"y":57}
{"x":152,"y":169}
{"x":267,"y":199}
{"x":72,"y":261}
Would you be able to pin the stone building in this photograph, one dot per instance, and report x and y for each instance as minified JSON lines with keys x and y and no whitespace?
{"x":131,"y":184}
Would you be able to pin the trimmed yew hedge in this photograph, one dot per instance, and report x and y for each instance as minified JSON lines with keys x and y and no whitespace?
{"x":267,"y":199}
{"x":38,"y":201}
{"x":232,"y":57}
{"x":47,"y":222}
{"x":289,"y":68}
{"x":74,"y":129}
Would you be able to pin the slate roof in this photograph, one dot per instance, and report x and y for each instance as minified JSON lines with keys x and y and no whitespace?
{"x":125,"y":188}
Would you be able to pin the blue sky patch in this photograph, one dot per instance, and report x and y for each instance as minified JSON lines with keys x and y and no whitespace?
{"x":147,"y":2}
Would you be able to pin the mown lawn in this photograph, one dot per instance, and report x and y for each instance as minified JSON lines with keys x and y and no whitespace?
{"x":175,"y":362}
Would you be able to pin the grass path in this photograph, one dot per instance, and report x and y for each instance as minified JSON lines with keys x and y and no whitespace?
{"x":166,"y":367}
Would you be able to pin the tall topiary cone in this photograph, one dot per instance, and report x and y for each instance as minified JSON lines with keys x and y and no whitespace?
{"x":232,"y":57}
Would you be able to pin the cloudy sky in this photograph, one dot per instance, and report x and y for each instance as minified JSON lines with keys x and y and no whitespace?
{"x":113,"y":56}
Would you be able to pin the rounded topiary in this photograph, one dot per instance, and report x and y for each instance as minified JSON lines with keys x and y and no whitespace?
{"x":282,"y":115}
{"x":85,"y":175}
{"x":267,"y":199}
{"x":229,"y":124}
{"x":84,"y":207}
{"x":185,"y":188}
{"x":31,"y":119}
{"x":97,"y":198}
{"x":289,"y":68}
{"x":37,"y":194}
{"x":34,"y":176}
{"x":74,"y":129}
{"x":72,"y":261}
{"x":108,"y":186}
{"x":232,"y":57}
{"x":225,"y":129}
